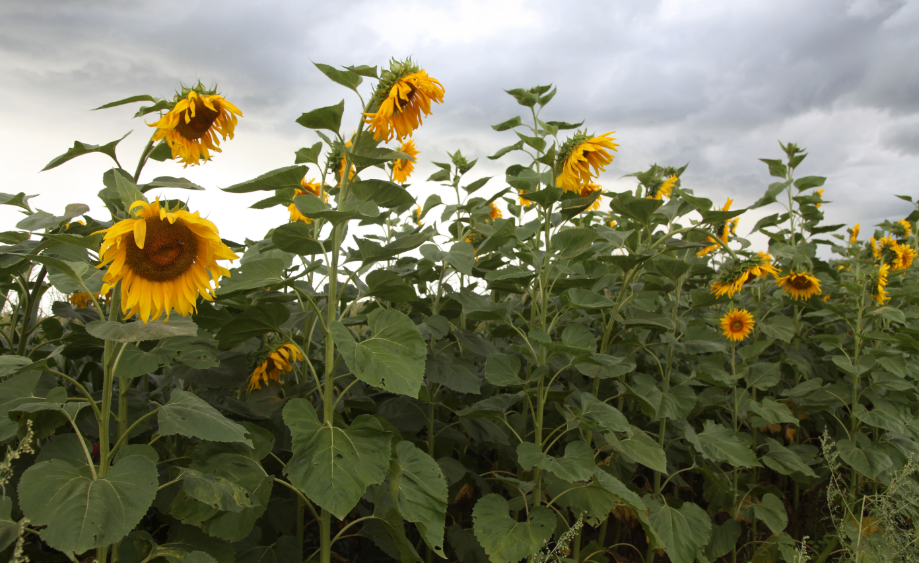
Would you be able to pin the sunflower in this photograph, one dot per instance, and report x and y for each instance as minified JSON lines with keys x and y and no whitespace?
{"x":82,"y":299}
{"x":163,"y":259}
{"x":578,"y":155}
{"x":404,"y":92}
{"x":418,"y":215}
{"x":877,"y":284}
{"x":192,"y":125}
{"x":612,"y":222}
{"x":731,"y":280}
{"x":724,"y":229}
{"x":309,"y":187}
{"x":799,"y":285}
{"x":820,"y":195}
{"x":402,"y":169}
{"x":902,"y":228}
{"x":586,"y":191}
{"x":524,"y":202}
{"x":495,"y":213}
{"x":889,"y":251}
{"x":277,"y":362}
{"x":665,"y":189}
{"x":853,"y":232}
{"x":737,"y":324}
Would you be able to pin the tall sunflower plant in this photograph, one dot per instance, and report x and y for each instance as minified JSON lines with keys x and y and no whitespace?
{"x":503,"y":369}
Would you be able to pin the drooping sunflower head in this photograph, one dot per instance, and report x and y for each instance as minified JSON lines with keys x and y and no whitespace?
{"x":278,"y":361}
{"x":198,"y":116}
{"x":306,"y":187}
{"x":820,"y":195}
{"x":732,"y":279}
{"x":164,"y":260}
{"x":799,"y":285}
{"x":402,"y":168}
{"x":404,"y":92}
{"x":586,"y":191}
{"x":888,"y":251}
{"x":665,"y":189}
{"x":579,"y":155}
{"x":905,"y":256}
{"x":524,"y":202}
{"x":737,"y":324}
{"x":878,"y":282}
{"x":82,"y":299}
{"x":722,"y":230}
{"x":902,"y":228}
{"x":853,"y":233}
{"x":495,"y":212}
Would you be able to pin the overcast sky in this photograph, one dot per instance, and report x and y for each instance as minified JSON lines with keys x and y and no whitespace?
{"x":715,"y":84}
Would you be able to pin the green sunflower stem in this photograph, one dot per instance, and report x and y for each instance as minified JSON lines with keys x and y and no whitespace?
{"x":144,"y":155}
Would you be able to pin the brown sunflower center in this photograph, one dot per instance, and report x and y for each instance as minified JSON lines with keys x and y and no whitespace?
{"x":169,"y":249}
{"x":800,"y":282}
{"x":737,"y":326}
{"x":401,"y":102}
{"x":199,"y":124}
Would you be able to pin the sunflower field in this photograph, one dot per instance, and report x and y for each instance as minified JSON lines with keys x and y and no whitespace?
{"x":556,"y":372}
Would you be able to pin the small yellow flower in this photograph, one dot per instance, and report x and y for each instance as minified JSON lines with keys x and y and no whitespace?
{"x":737,"y":324}
{"x":341,"y":163}
{"x":665,"y":189}
{"x":523,"y":201}
{"x":402,"y":169}
{"x":820,"y":195}
{"x":80,"y":221}
{"x":163,"y":259}
{"x":799,"y":285}
{"x":877,"y":284}
{"x":418,"y":215}
{"x":853,"y":232}
{"x":586,"y":191}
{"x":403,"y":94}
{"x":191,"y":127}
{"x":278,"y":362}
{"x":579,"y":154}
{"x":82,"y":299}
{"x":495,"y":212}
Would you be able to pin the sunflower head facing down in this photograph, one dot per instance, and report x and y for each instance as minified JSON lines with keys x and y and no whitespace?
{"x":193,"y":124}
{"x":586,"y":191}
{"x":495,"y":212}
{"x":402,"y":169}
{"x":853,"y":233}
{"x":276,"y":363}
{"x":723,"y":230}
{"x":737,"y":324}
{"x":579,"y":155}
{"x":902,"y":228}
{"x":877,"y":283}
{"x":731,"y":280}
{"x":799,"y":285}
{"x":889,"y":251}
{"x":524,"y":202}
{"x":405,"y":92}
{"x":82,"y":300}
{"x":306,"y":187}
{"x":164,"y":260}
{"x":665,"y":189}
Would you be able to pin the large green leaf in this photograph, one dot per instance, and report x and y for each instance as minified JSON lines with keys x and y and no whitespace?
{"x":576,"y":465}
{"x":392,"y":358}
{"x":254,"y":322}
{"x":79,"y":149}
{"x":296,"y":238}
{"x":718,"y":443}
{"x":334,"y":466}
{"x":328,"y":118}
{"x":505,"y":539}
{"x":9,"y":528}
{"x":137,"y":331}
{"x":641,"y":448}
{"x":389,"y":286}
{"x":771,"y":510}
{"x":784,"y":460}
{"x":189,"y":415}
{"x":215,"y":491}
{"x":503,"y":370}
{"x":869,"y":461}
{"x":573,"y":242}
{"x":287,"y":177}
{"x":420,"y":492}
{"x":584,"y":299}
{"x":683,"y":532}
{"x":10,"y":363}
{"x":384,"y":194}
{"x":82,"y":513}
{"x":602,"y":416}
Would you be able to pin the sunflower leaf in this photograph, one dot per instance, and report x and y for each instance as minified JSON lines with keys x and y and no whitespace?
{"x":169,"y":182}
{"x":253,"y":322}
{"x":347,"y":78}
{"x":509,"y":124}
{"x":328,"y":118}
{"x":385,"y":194}
{"x":309,"y":154}
{"x":504,"y":538}
{"x":187,"y":414}
{"x":287,"y":177}
{"x":79,"y":149}
{"x":19,"y":200}
{"x":296,"y":238}
{"x":364,"y":70}
{"x":131,"y":100}
{"x":137,"y":331}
